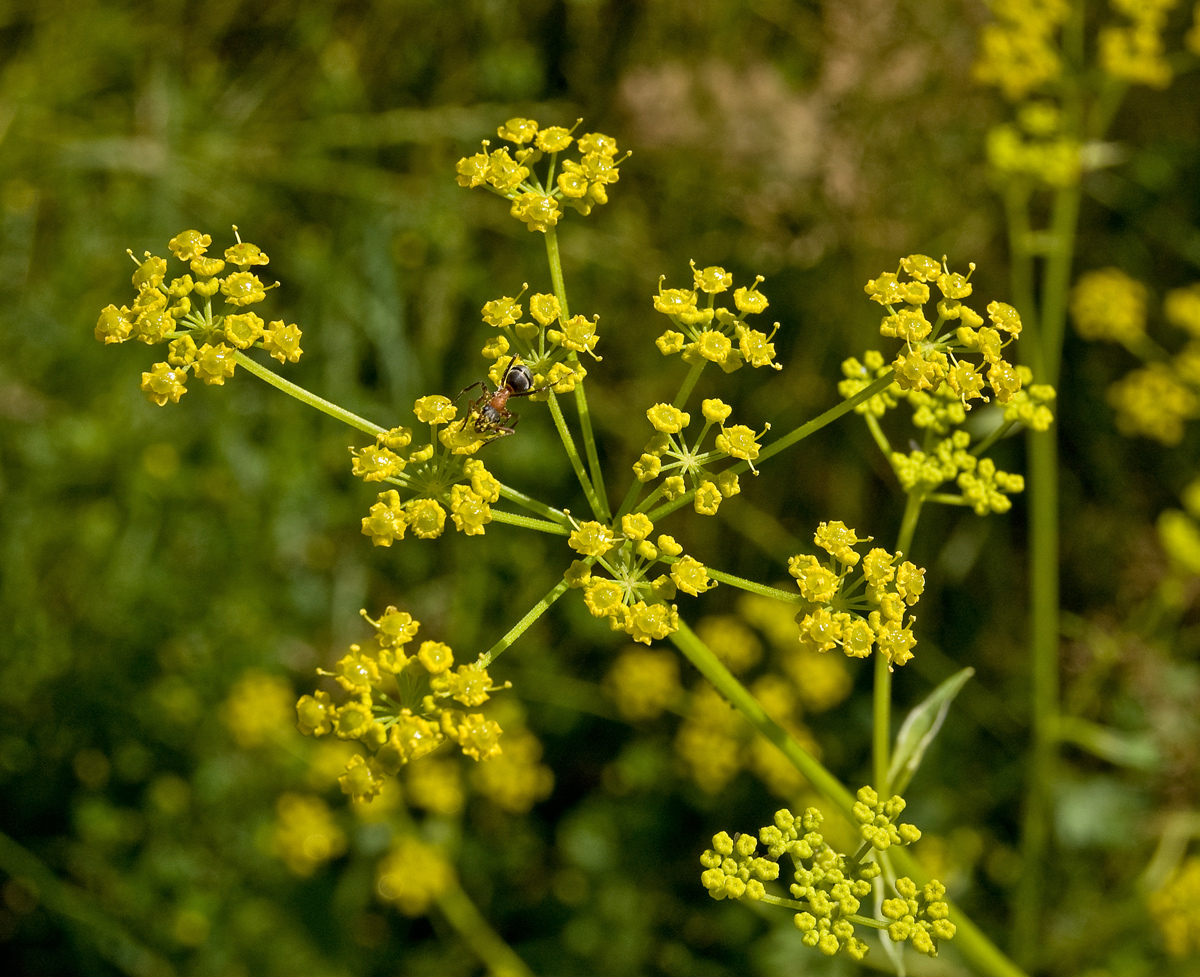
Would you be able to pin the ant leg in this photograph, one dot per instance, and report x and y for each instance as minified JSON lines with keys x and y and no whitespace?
{"x":477,"y":383}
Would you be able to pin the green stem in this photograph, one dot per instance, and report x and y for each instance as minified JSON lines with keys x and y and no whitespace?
{"x":599,"y":497}
{"x":305,"y":396}
{"x":749,"y":585}
{"x":1001,"y":430}
{"x":525,"y":522}
{"x":689,"y":383}
{"x":524,"y":624}
{"x":533,"y":505}
{"x":564,"y":432}
{"x":484,"y":941}
{"x":881,"y":735}
{"x":707,"y":663}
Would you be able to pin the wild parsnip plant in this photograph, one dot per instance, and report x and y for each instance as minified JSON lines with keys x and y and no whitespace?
{"x":401,"y":700}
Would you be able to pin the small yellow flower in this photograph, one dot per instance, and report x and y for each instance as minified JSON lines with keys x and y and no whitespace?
{"x":674,"y":487}
{"x":691,"y":576}
{"x":578,"y":333}
{"x":207,"y":268}
{"x":374,"y":464}
{"x":667,"y":419}
{"x":714,"y":346}
{"x":244,"y":254}
{"x":114,"y":325}
{"x":602,"y":596}
{"x":652,"y":621}
{"x":500,"y":312}
{"x":921,"y":267}
{"x":756,"y":347}
{"x":469,"y":511}
{"x":214,"y":363}
{"x":435,"y":409}
{"x":305,"y":835}
{"x":187,"y":245}
{"x":728,"y":483}
{"x":837,"y":539}
{"x":544,"y":308}
{"x":386,"y":520}
{"x":670,"y":342}
{"x":674,"y":301}
{"x":244,"y":330}
{"x":817,"y":582}
{"x":518,"y":130}
{"x":479,"y":737}
{"x":426,"y":518}
{"x":711,"y":280}
{"x":436,"y":656}
{"x":554,"y":139}
{"x":283,"y":341}
{"x":750,"y":300}
{"x":740,"y":441}
{"x":636,"y":526}
{"x":538,"y":211}
{"x":707,"y":499}
{"x":164,"y":384}
{"x":314,"y":714}
{"x":591,"y":539}
{"x":242,"y":288}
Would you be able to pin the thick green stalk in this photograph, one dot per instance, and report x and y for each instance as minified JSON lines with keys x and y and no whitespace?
{"x":484,"y":942}
{"x":305,"y":396}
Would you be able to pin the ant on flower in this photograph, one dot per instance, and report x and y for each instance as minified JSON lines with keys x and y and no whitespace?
{"x":490,"y":410}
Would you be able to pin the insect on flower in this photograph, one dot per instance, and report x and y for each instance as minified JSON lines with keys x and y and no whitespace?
{"x":490,"y":410}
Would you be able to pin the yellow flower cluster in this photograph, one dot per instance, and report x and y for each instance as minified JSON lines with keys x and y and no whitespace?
{"x":1176,"y":909}
{"x":436,"y":476}
{"x":831,"y":885}
{"x":1134,"y":52}
{"x":983,"y":487}
{"x":928,"y":358}
{"x":709,"y":333}
{"x":1108,"y":304}
{"x":1154,"y":402}
{"x":1053,"y":159}
{"x":305,"y":835}
{"x":631,"y":601}
{"x":838,"y":618}
{"x":516,"y":779}
{"x":681,"y":459}
{"x":644,"y":682}
{"x":412,"y":875}
{"x":180,"y":311}
{"x":258,"y":708}
{"x":1157,"y":400}
{"x":1018,"y":51}
{"x":581,"y":184}
{"x":400,"y":719}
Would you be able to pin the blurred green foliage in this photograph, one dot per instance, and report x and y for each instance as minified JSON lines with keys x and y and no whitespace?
{"x":150,"y":557}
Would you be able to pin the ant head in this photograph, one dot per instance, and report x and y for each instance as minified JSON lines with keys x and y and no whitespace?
{"x":518,"y":379}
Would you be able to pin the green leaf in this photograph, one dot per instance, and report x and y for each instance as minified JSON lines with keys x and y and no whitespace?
{"x":919,"y":729}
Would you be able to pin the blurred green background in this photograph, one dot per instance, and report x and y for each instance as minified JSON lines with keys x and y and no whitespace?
{"x":153,"y":558}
